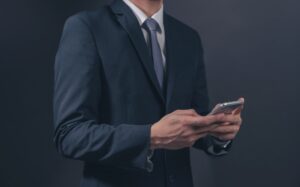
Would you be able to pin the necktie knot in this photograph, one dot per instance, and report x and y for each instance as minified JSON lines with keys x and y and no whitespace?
{"x":151,"y":25}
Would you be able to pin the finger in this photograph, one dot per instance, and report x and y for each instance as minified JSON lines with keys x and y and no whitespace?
{"x":211,"y":119}
{"x":224,"y":123}
{"x":201,"y":135}
{"x":197,"y":129}
{"x":189,"y":120}
{"x":232,"y":119}
{"x":239,"y":109}
{"x":190,"y":112}
{"x":224,"y":137}
{"x":226,"y":129}
{"x":242,"y":99}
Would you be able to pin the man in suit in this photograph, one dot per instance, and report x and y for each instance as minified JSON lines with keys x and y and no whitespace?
{"x":131,"y":98}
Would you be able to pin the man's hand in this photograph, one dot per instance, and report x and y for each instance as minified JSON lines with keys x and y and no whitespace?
{"x":228,"y":130}
{"x":182,"y":128}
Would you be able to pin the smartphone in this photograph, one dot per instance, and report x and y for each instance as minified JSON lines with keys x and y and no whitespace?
{"x":227,"y":107}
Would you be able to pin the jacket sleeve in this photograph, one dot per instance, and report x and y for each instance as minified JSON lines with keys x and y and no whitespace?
{"x":200,"y":103}
{"x":77,"y":96}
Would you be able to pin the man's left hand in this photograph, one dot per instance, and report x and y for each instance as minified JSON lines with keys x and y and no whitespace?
{"x":228,"y":130}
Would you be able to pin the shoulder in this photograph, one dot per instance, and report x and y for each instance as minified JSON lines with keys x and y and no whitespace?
{"x":184,"y":33}
{"x":80,"y":28}
{"x":181,"y":27}
{"x":89,"y":18}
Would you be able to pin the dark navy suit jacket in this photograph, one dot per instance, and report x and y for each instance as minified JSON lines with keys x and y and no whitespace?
{"x":107,"y":97}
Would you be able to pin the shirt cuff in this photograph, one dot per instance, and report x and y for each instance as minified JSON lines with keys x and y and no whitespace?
{"x":149,"y":161}
{"x":219,"y":147}
{"x":221,"y":143}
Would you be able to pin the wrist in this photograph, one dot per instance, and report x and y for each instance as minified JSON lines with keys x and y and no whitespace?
{"x":221,"y":143}
{"x":153,"y":137}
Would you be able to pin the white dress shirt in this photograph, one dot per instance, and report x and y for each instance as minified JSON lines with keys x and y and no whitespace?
{"x":159,"y":18}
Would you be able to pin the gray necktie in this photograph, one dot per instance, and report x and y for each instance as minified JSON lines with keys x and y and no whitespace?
{"x":152,"y":27}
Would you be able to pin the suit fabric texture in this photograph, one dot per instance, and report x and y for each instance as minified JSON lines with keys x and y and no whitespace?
{"x":107,"y":97}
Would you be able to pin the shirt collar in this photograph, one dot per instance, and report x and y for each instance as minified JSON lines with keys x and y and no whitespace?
{"x":141,"y":16}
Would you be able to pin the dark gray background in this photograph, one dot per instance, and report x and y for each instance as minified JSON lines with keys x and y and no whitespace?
{"x":252,"y":49}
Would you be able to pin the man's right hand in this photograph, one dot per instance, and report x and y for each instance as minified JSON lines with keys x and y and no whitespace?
{"x":182,"y":128}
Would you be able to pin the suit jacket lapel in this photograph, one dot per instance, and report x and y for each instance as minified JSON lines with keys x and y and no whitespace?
{"x":130,"y":23}
{"x":172,"y":52}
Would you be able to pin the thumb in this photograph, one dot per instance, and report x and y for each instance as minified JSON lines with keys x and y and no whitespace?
{"x":239,"y":109}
